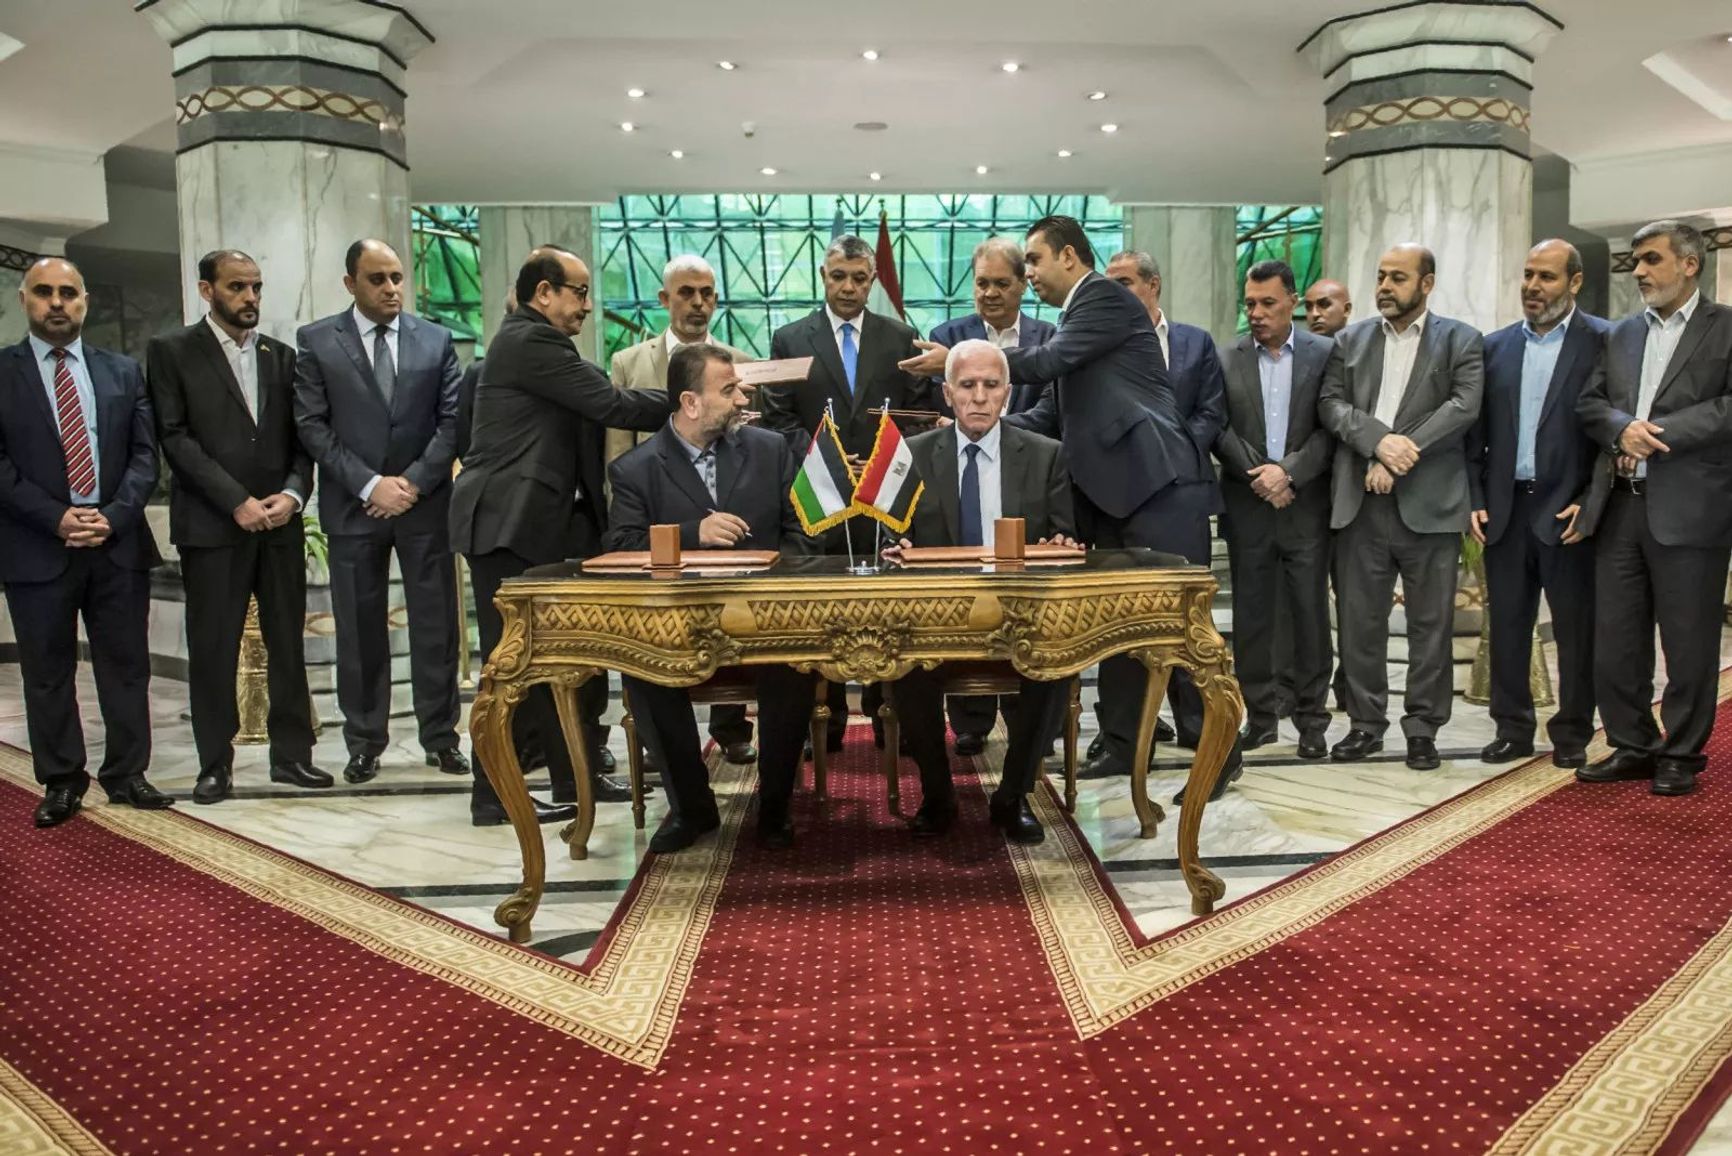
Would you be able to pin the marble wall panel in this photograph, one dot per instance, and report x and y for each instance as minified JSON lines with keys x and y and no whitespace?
{"x":1197,"y":249}
{"x":509,"y":232}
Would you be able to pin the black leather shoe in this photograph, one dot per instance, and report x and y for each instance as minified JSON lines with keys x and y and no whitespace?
{"x":605,"y":762}
{"x":1231,"y":770}
{"x":1673,"y":778}
{"x":1355,"y":746}
{"x":1097,"y":747}
{"x":450,"y":761}
{"x":1166,"y":734}
{"x":740,"y":753}
{"x":1312,"y":744}
{"x":1505,"y":751}
{"x":678,"y":832}
{"x":934,"y":817}
{"x":775,"y":833}
{"x":214,"y":786}
{"x":612,"y":789}
{"x":1569,"y":760}
{"x":295,"y":775}
{"x":1422,"y":754}
{"x":1107,"y":766}
{"x":1016,"y":819}
{"x":969,"y":744}
{"x":136,"y":792}
{"x":1620,"y":766}
{"x":493,"y":814}
{"x":1253,"y":737}
{"x":58,"y":805}
{"x":362,"y":769}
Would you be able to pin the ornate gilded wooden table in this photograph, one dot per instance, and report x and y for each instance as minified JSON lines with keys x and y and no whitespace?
{"x":564,"y":627}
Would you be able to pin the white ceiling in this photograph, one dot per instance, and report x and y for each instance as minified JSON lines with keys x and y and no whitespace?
{"x":520,"y":100}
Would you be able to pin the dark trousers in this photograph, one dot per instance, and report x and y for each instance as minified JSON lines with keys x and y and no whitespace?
{"x":974,"y":714}
{"x":360,"y":604}
{"x":115,"y":605}
{"x":1280,"y":569}
{"x":219,"y":580}
{"x":1518,"y":566}
{"x":1034,"y":725}
{"x":669,"y":729}
{"x":536,"y":721}
{"x":1176,"y":521}
{"x":1375,"y":548}
{"x":729,"y":724}
{"x":1638,"y":584}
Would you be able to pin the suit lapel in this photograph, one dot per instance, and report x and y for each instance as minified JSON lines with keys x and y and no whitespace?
{"x":1370,"y":361}
{"x":408,"y":350}
{"x":874,"y":346}
{"x":1010,"y":472}
{"x":678,"y":464}
{"x":1247,"y":380}
{"x":1687,"y":343}
{"x":1575,"y":338}
{"x":1635,"y":340}
{"x":1422,"y":359}
{"x":349,"y":338}
{"x":219,"y":362}
{"x":945,"y":482}
{"x":731,"y":455}
{"x":29,"y":378}
{"x":823,"y":344}
{"x":1309,"y":358}
{"x":659,"y":358}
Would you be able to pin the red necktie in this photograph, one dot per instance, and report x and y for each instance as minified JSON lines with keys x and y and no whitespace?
{"x":80,"y":466}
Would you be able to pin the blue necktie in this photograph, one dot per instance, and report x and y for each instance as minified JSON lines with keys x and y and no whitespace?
{"x":971,"y":535}
{"x":850,"y":354}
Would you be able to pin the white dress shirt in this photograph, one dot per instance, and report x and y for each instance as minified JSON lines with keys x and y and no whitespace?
{"x":672,"y":342}
{"x":1657,"y":350}
{"x":1068,"y":296}
{"x":1399,"y":352}
{"x":1008,"y":338}
{"x":1166,"y":345}
{"x":368,"y":329}
{"x":987,"y":466}
{"x":243,"y":358}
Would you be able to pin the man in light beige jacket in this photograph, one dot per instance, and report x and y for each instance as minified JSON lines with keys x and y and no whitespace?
{"x":688,"y":293}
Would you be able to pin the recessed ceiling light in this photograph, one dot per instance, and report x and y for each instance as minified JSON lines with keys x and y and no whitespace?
{"x":1097,"y":95}
{"x":875,"y":176}
{"x":1337,"y":132}
{"x":1109,"y":128}
{"x":726,"y":65}
{"x":677,"y":154}
{"x":627,"y":126}
{"x":981,"y":170}
{"x":870,"y":126}
{"x":869,"y":54}
{"x":768,"y":171}
{"x":1011,"y":66}
{"x":1064,"y":152}
{"x":634,"y":93}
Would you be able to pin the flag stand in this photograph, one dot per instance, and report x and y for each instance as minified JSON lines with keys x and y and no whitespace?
{"x":854,"y":567}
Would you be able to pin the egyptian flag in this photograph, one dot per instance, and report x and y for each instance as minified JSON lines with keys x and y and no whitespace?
{"x":885,"y":298}
{"x":889,"y":487}
{"x":822,"y":489}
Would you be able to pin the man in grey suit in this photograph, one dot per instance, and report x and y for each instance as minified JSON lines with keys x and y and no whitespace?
{"x":1275,"y":460}
{"x":1660,"y":403}
{"x":376,"y":406}
{"x":1402,"y":408}
{"x":977,"y":471}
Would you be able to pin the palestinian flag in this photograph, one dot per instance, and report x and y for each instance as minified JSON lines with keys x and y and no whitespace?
{"x":889,"y":487}
{"x":822,"y":487}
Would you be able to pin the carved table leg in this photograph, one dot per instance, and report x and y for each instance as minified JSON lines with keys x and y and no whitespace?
{"x":892,"y":749}
{"x":1223,"y":707}
{"x":1149,"y":813}
{"x":576,"y":833}
{"x":1072,"y":725}
{"x":490,"y":732}
{"x":634,"y":764}
{"x":820,"y":742}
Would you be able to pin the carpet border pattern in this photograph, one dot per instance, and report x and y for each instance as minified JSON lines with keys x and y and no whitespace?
{"x":31,"y":1124}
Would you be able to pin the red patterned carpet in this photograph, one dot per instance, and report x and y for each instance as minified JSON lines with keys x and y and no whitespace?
{"x":1533,"y":966}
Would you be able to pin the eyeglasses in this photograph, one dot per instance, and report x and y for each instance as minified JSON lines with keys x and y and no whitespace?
{"x":582,"y":291}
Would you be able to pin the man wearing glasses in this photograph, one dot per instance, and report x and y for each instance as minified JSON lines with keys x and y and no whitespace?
{"x":531,"y":488}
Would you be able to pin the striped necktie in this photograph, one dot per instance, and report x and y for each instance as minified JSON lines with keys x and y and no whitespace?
{"x":74,"y":438}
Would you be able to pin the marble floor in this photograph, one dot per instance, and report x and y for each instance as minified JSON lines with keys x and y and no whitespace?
{"x":407,"y":833}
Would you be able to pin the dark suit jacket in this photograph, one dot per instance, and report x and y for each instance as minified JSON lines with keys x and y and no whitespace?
{"x":1310,"y":449}
{"x":218,"y":455}
{"x":33,"y":488}
{"x":466,"y":407}
{"x":1690,"y":488}
{"x":794,"y":410}
{"x":353,"y":434}
{"x":1564,"y":458}
{"x":1111,"y":405}
{"x":541,"y":418}
{"x":1031,"y":331}
{"x":1199,"y":392}
{"x":1439,"y":406}
{"x":657,"y":484}
{"x":1033,"y":486}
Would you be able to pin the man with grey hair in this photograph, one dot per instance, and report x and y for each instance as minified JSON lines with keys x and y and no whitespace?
{"x":854,"y":372}
{"x":1530,"y":468}
{"x":976,"y":471}
{"x":688,"y":293}
{"x":1000,"y":282}
{"x":1660,"y":407}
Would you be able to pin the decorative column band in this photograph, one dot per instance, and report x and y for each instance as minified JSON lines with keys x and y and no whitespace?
{"x":288,"y":99}
{"x":1624,"y":260}
{"x":17,"y":259}
{"x":1427,"y":109}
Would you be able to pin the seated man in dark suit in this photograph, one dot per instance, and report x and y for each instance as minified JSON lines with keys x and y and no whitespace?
{"x":727,"y":487}
{"x":976,"y":472}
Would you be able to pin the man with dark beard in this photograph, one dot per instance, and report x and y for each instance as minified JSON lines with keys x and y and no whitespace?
{"x":225,"y":416}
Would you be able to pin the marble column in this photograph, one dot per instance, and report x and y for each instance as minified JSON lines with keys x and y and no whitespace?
{"x":290,"y":123}
{"x":1197,"y":249}
{"x":1427,"y":140}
